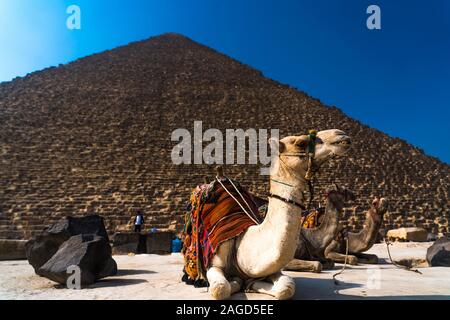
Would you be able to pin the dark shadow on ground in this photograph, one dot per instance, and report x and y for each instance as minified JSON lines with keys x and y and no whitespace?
{"x":106,"y":283}
{"x":326,"y":289}
{"x":116,"y":283}
{"x":314,"y":288}
{"x":130,"y":272}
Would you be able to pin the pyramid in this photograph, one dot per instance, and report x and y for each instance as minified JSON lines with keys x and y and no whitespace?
{"x":94,"y":136}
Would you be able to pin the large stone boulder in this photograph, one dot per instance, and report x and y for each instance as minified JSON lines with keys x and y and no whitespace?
{"x":12,"y":249}
{"x":41,"y":248}
{"x":81,"y":242}
{"x":128,"y":242}
{"x":156,"y":242}
{"x":438,"y":255}
{"x":159,"y":242}
{"x":90,"y":252}
{"x":408,"y":234}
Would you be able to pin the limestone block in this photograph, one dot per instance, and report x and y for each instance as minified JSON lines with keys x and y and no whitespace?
{"x":127,"y":242}
{"x":159,"y":242}
{"x":12,"y":249}
{"x":408,"y":234}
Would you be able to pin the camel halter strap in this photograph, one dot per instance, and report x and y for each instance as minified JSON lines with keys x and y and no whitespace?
{"x":295,"y":203}
{"x":310,"y":170}
{"x":311,"y":150}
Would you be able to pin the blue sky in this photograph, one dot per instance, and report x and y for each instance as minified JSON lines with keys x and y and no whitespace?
{"x":396,"y":79}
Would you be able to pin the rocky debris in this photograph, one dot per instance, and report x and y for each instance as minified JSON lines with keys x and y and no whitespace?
{"x":41,"y":248}
{"x":90,"y":252}
{"x":12,"y":249}
{"x":408,"y":234}
{"x":81,"y":242}
{"x":95,"y":136}
{"x":438,"y":255}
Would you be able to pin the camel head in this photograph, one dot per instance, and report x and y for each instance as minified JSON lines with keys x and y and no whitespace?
{"x":340,"y":196}
{"x":331,"y":143}
{"x":293,"y":151}
{"x":379,"y":206}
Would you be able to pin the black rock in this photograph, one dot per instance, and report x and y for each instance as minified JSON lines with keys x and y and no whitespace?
{"x":438,"y":255}
{"x":90,"y":252}
{"x":41,"y":248}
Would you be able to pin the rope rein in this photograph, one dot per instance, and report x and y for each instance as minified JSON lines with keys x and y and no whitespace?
{"x":395,"y":263}
{"x":336,"y":282}
{"x":388,"y":243}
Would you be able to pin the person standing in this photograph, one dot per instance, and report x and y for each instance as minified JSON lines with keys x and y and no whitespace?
{"x":138,"y":221}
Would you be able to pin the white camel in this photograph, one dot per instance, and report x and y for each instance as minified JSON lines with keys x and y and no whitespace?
{"x":258,"y":255}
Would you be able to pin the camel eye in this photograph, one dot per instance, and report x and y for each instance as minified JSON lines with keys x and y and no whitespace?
{"x":302,"y":144}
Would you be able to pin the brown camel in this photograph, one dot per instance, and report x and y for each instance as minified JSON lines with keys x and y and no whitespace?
{"x":361,"y":241}
{"x":309,"y":255}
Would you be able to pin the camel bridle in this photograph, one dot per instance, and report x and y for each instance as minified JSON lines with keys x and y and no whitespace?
{"x":309,"y":175}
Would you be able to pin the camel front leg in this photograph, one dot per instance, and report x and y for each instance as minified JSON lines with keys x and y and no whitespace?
{"x":304,"y":266}
{"x":236,"y":285}
{"x":367,"y":258}
{"x":280,"y":286}
{"x":340,"y":258}
{"x":327,"y":264}
{"x":219,"y":286}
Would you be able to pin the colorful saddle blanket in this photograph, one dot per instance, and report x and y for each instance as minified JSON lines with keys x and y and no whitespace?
{"x":214,"y":217}
{"x":312,"y":219}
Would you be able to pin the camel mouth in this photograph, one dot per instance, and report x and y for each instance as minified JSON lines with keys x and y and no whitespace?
{"x":344,"y":141}
{"x":342,"y":145}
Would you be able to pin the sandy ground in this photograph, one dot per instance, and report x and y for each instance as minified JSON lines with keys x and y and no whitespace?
{"x":158,"y":277}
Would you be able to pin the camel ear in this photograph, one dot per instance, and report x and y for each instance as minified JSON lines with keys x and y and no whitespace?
{"x":276,"y":144}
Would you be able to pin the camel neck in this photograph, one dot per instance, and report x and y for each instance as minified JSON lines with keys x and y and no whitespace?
{"x":288,"y":189}
{"x":266,"y":248}
{"x":365,"y":238}
{"x":321,"y":236}
{"x":372,"y":224}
